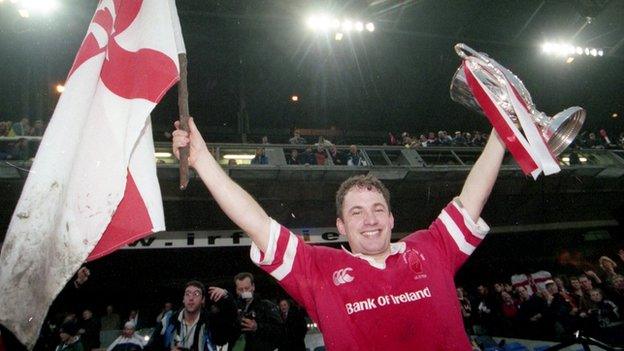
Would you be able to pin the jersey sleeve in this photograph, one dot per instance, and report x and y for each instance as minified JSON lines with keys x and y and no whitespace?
{"x":289,"y":260}
{"x":455,"y":234}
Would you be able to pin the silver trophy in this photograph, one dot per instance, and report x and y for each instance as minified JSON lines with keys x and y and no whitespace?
{"x":559,"y":131}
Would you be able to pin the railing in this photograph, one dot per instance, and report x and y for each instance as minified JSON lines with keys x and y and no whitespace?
{"x":235,"y":156}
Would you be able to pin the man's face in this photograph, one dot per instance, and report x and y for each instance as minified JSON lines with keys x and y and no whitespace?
{"x":552,"y":288}
{"x":482,"y":290}
{"x":109,"y":309}
{"x":127,"y":332}
{"x":168,"y":306}
{"x":86,"y":314}
{"x":595,"y":296}
{"x":524,"y":293}
{"x":284,"y":307}
{"x":244,"y":286}
{"x":586,"y":284}
{"x":64,"y":336}
{"x":366,"y":221}
{"x":575,"y":284}
{"x":193,"y":299}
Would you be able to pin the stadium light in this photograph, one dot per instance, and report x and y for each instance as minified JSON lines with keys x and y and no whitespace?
{"x":23,"y":13}
{"x":60,"y":88}
{"x":615,"y":115}
{"x":294,"y":98}
{"x":567,"y":50}
{"x":338,"y":36}
{"x":326,"y":23}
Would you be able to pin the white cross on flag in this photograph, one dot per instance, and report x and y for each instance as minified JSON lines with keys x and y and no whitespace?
{"x":92,"y":186}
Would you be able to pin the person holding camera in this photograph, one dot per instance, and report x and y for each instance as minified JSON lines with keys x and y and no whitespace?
{"x":196,"y":328}
{"x":260,"y":320}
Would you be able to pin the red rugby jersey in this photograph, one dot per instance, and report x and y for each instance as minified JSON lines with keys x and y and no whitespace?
{"x":410,"y":303}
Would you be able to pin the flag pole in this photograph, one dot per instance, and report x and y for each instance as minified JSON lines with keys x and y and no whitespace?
{"x":183,"y":109}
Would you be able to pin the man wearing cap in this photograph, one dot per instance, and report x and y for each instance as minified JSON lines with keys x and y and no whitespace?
{"x":128,"y":340}
{"x":70,"y":340}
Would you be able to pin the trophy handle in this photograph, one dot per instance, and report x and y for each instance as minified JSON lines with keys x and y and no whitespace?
{"x":462,"y":48}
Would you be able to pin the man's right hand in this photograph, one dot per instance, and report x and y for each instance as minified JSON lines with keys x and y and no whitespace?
{"x":197,"y":145}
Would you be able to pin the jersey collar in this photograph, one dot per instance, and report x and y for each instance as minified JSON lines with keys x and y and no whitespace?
{"x":395,"y":248}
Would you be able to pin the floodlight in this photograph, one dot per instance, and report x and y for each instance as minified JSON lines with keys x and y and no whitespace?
{"x":312,"y":22}
{"x":294,"y":98}
{"x":41,"y":6}
{"x":587,"y":51}
{"x":547,"y":47}
{"x":593,"y":52}
{"x":24,"y":13}
{"x":335,"y":23}
{"x":370,"y":27}
{"x":615,"y":115}
{"x":338,"y":36}
{"x":600,"y":52}
{"x":60,"y":88}
{"x":570,"y":59}
{"x":347,"y":25}
{"x":162,"y":154}
{"x":359,"y":26}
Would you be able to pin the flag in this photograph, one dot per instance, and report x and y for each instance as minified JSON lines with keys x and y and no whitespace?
{"x":92,"y":186}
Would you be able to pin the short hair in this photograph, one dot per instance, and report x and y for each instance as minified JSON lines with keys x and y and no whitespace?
{"x":368,"y":182}
{"x":197,"y":284}
{"x":242,"y":275}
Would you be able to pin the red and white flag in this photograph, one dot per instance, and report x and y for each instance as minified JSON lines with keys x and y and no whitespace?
{"x":92,"y":186}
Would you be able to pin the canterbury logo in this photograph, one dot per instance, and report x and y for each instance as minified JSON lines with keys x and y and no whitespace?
{"x":342,"y":276}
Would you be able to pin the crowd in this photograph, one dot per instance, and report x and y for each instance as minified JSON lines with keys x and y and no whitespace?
{"x":208,"y":319}
{"x":20,"y":148}
{"x":541,"y":306}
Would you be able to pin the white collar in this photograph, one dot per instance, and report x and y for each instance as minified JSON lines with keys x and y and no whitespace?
{"x":395,"y":248}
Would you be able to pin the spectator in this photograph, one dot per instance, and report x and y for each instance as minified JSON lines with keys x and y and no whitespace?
{"x":260,"y":320}
{"x":308,"y":157}
{"x":265,"y":140}
{"x":509,"y":311}
{"x":295,"y":327}
{"x":592,"y":142}
{"x":354,"y":158}
{"x":297,"y":138}
{"x":604,"y":317}
{"x":89,"y":329}
{"x":20,"y":150}
{"x":466,"y":309}
{"x":128,"y":340}
{"x":22,"y":128}
{"x":166,"y":312}
{"x":486,"y":319}
{"x":559,"y":312}
{"x":477,"y":139}
{"x":605,"y":141}
{"x":293,"y":158}
{"x":422,"y":141}
{"x":621,"y":140}
{"x":4,"y":129}
{"x":260,"y":158}
{"x":232,"y":162}
{"x":68,"y":335}
{"x":530,"y":314}
{"x":444,"y":139}
{"x":38,"y":128}
{"x":323,"y":142}
{"x":111,"y":320}
{"x":608,"y":266}
{"x":468,"y":138}
{"x":133,"y":317}
{"x":459,"y":139}
{"x":195,"y":327}
{"x":432,"y":140}
{"x":336,"y":156}
{"x":320,"y":155}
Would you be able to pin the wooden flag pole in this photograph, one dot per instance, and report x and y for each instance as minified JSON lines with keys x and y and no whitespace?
{"x":183,"y":108}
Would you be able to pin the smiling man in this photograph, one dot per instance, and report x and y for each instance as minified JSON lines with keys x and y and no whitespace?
{"x":380,"y":295}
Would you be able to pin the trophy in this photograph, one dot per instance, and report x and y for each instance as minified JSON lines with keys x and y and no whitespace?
{"x":484,"y":86}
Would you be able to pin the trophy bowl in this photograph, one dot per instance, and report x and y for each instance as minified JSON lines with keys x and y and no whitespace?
{"x":559,"y":131}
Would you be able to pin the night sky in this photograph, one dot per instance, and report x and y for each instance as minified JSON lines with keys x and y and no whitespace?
{"x":257,"y":54}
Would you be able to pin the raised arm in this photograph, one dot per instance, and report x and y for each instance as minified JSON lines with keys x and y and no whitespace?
{"x":237,"y":204}
{"x":482,"y":176}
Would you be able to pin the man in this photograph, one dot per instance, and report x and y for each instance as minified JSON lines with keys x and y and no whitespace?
{"x":354,"y":158}
{"x":89,"y":331}
{"x":111,"y":320}
{"x":380,"y":295}
{"x":295,"y":327}
{"x":195,"y":328}
{"x":297,"y":138}
{"x":68,"y":335}
{"x":259,"y":319}
{"x":128,"y":340}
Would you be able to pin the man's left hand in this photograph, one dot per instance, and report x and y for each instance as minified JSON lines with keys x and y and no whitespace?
{"x":248,"y":325}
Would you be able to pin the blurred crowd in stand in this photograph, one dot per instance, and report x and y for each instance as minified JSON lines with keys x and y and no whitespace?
{"x":543,"y":306}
